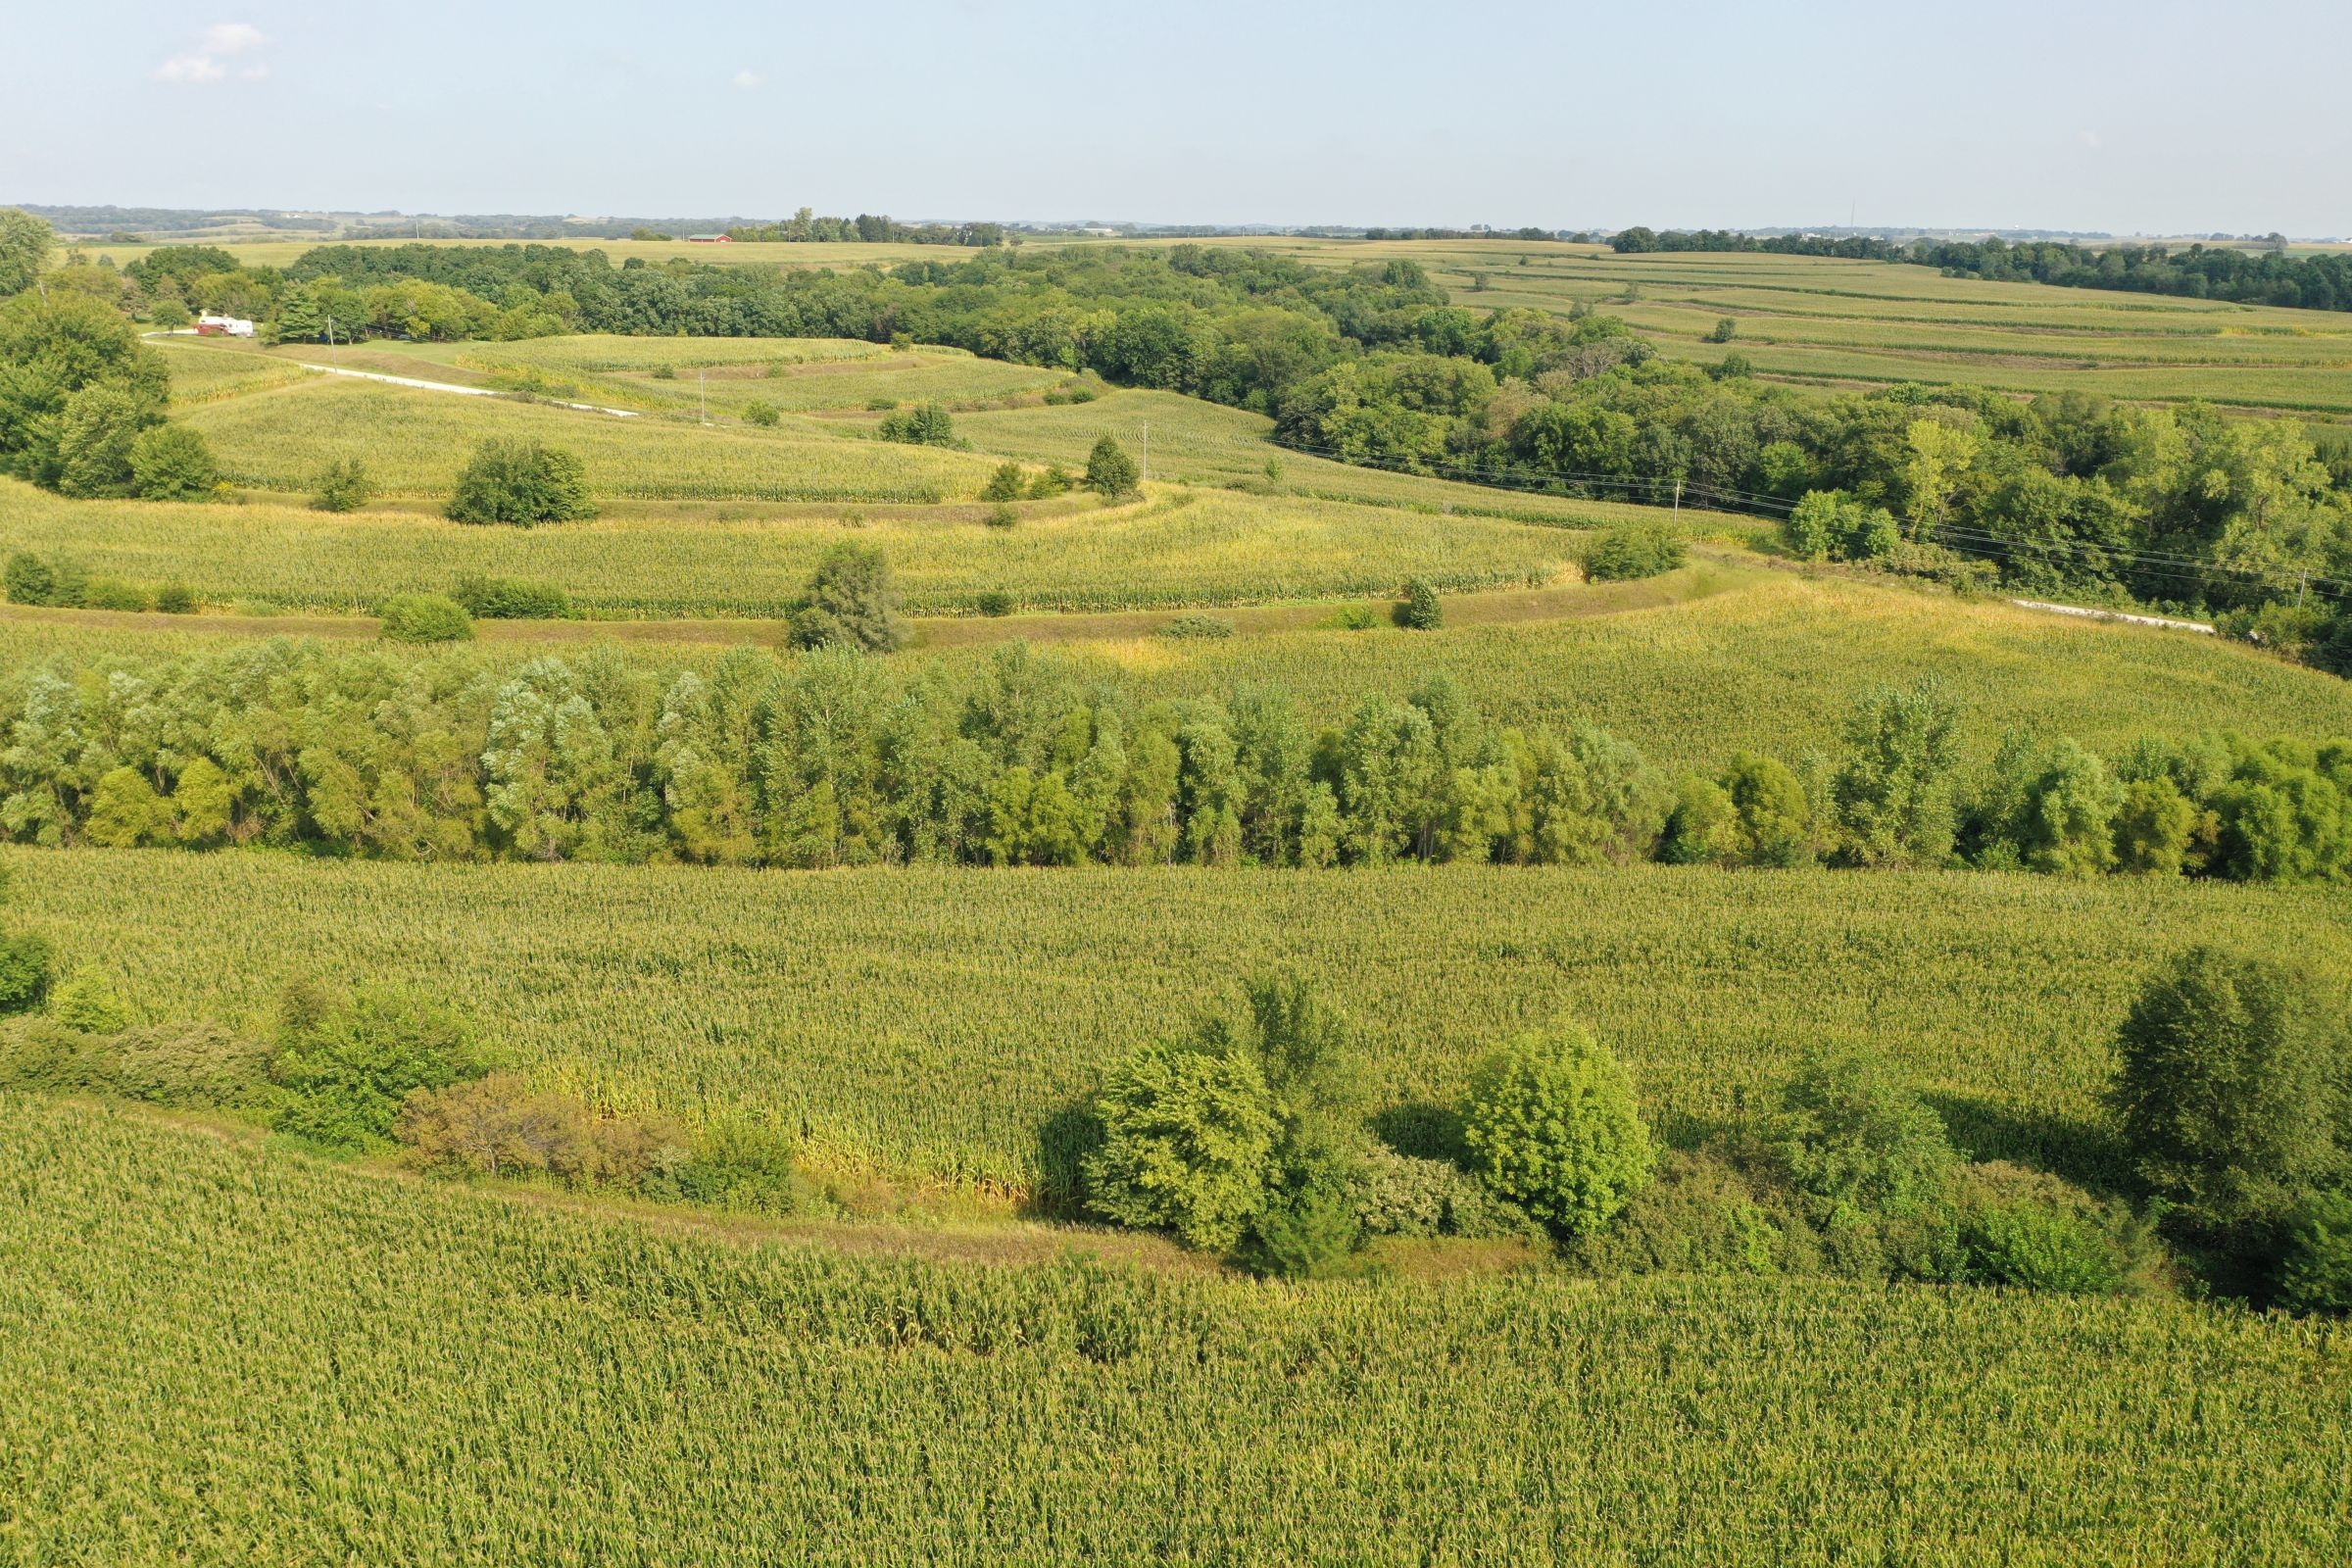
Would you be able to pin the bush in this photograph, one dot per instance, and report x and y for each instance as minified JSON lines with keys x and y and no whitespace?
{"x":2031,"y":1229}
{"x":85,"y":1001}
{"x":112,"y":592}
{"x":31,"y":580}
{"x":663,"y":373}
{"x":498,"y":1126}
{"x":175,"y":599}
{"x":851,"y":603}
{"x":1413,"y":1197}
{"x":2231,"y":1086}
{"x":1725,"y":330}
{"x":185,"y":1065}
{"x":1198,"y":626}
{"x":520,"y":483}
{"x":763,"y":414}
{"x":926,"y":425}
{"x":1007,"y":483}
{"x":172,"y":462}
{"x":1832,"y":525}
{"x":1048,"y":484}
{"x":1633,"y":550}
{"x":1701,"y":1216}
{"x":1551,"y":1125}
{"x":96,"y":432}
{"x":994,"y":601}
{"x":344,"y":1067}
{"x":425,"y":619}
{"x":1309,"y":1234}
{"x":2315,"y":1274}
{"x":1110,"y":471}
{"x":343,"y":486}
{"x":512,"y":599}
{"x":1188,"y":1143}
{"x":744,"y":1164}
{"x":27,"y":962}
{"x":1849,"y":1136}
{"x":1001,"y":517}
{"x":1420,"y":610}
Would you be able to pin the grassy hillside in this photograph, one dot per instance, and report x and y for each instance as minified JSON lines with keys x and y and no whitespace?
{"x":930,"y":1022}
{"x":211,"y":1354}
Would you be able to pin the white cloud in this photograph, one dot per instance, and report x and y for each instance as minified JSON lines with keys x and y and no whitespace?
{"x":747,"y":80}
{"x":222,"y":41}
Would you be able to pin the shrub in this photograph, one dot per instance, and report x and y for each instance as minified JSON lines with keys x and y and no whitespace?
{"x":1633,"y":550}
{"x":172,"y":462}
{"x":926,"y":425}
{"x":185,"y":1065}
{"x":1701,"y":830}
{"x":1007,"y":483}
{"x":112,"y":592}
{"x":1198,"y":626}
{"x":1188,"y":1143}
{"x":2031,"y":1229}
{"x":498,"y":1126}
{"x":741,"y":1163}
{"x":31,"y":580}
{"x":1894,"y":793}
{"x":85,"y":1001}
{"x":1110,"y":471}
{"x":343,"y":486}
{"x":1414,"y":1197}
{"x":2230,"y":1086}
{"x":2315,"y":1274}
{"x":1048,"y":484}
{"x":663,"y":373}
{"x":1701,"y":1216}
{"x":1420,"y":610}
{"x":1551,"y":1125}
{"x":851,"y":603}
{"x":994,"y":601}
{"x":1724,"y":331}
{"x":512,"y":599}
{"x":763,"y":414}
{"x":27,"y":962}
{"x":1001,"y":517}
{"x":175,"y":599}
{"x":344,"y":1067}
{"x":520,"y":483}
{"x":1848,"y":1134}
{"x":425,"y":619}
{"x":1309,"y":1234}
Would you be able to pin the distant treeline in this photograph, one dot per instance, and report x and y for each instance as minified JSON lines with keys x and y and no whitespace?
{"x":2317,"y":282}
{"x":806,"y":227}
{"x":1453,"y":233}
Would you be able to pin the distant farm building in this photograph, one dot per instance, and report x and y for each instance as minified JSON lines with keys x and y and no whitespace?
{"x":224,"y":327}
{"x":709,"y":239}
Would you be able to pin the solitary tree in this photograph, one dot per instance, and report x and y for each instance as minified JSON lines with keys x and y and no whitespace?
{"x":2231,"y":1089}
{"x":172,"y":462}
{"x":344,"y":486}
{"x":521,"y":482}
{"x":851,"y":603}
{"x":1110,"y":472}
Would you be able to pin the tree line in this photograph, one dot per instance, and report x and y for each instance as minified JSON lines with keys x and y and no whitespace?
{"x":836,"y":758}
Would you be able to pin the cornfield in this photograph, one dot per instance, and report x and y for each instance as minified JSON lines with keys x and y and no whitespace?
{"x":929,"y":1023}
{"x":415,"y":440}
{"x":213,"y":1353}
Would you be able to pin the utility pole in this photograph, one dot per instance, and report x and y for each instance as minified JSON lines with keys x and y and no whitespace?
{"x":331,"y":341}
{"x":1678,"y":500}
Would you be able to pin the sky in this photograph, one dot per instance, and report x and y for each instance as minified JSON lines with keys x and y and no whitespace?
{"x":2155,"y":117}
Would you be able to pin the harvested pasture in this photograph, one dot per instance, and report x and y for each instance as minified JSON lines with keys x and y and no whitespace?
{"x":929,"y":1023}
{"x":413,"y":441}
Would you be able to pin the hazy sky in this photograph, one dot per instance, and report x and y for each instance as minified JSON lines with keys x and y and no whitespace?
{"x":2152,"y":118}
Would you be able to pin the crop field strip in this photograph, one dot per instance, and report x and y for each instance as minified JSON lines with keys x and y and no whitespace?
{"x":927,"y":1023}
{"x":1177,"y":547}
{"x":234,"y":1355}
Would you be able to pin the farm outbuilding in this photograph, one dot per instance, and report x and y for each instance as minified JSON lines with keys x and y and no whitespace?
{"x":709,"y":239}
{"x":224,"y":327}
